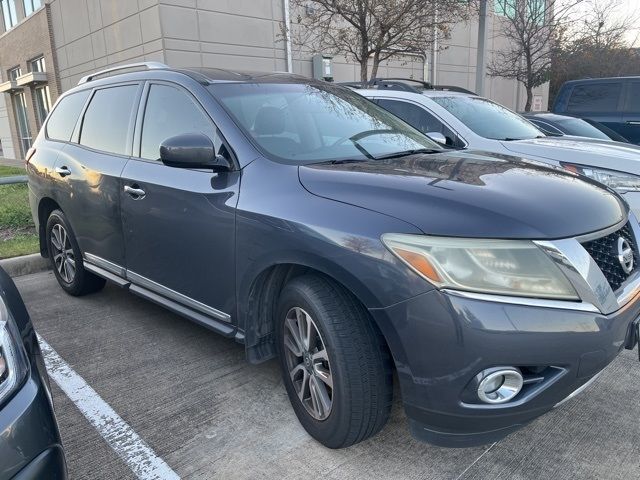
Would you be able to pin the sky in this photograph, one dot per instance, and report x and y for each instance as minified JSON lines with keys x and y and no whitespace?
{"x":622,"y":9}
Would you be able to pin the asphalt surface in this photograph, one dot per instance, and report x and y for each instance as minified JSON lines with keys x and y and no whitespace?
{"x":192,"y":397}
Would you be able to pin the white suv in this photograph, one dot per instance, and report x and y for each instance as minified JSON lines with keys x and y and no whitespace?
{"x":465,"y":120}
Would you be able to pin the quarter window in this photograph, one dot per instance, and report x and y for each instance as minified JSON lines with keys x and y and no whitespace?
{"x":64,"y":118}
{"x":595,"y":97}
{"x":170,"y":112}
{"x":106,"y":121}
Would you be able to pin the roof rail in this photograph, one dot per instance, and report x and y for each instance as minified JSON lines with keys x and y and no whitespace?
{"x":425,"y":85}
{"x":140,"y":65}
{"x":453,"y":88}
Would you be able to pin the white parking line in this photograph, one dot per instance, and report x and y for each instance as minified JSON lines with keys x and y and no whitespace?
{"x":138,"y":456}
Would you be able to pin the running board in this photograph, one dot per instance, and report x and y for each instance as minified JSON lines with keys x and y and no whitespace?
{"x":220,"y":327}
{"x":217,"y":326}
{"x":121,"y":282}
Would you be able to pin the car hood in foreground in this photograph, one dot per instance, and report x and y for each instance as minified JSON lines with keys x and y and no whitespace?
{"x":583,"y":151}
{"x":470,"y":195}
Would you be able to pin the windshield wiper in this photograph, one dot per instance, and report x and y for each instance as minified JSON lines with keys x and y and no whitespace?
{"x":406,"y":153}
{"x":342,"y":161}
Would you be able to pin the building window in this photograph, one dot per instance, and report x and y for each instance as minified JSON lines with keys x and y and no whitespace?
{"x":43,"y":102}
{"x":38,"y":65}
{"x":9,"y":13}
{"x":14,"y":73}
{"x":31,"y":6}
{"x":533,"y":9}
{"x":24,"y":133}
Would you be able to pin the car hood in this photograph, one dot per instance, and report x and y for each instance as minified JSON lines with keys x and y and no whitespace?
{"x":583,"y":151}
{"x":468,"y":194}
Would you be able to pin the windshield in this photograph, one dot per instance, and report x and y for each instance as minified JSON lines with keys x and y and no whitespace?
{"x":576,"y":126}
{"x":488,"y":119}
{"x":303,"y":123}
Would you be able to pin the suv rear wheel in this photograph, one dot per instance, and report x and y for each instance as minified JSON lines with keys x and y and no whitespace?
{"x":336,"y":367}
{"x":66,"y":258}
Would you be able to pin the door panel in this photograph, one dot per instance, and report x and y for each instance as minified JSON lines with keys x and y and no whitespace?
{"x":181,"y":234}
{"x":90,"y":197}
{"x":89,"y":171}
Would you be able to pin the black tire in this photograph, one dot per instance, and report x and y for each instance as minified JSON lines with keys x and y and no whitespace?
{"x":360,"y":363}
{"x":76,"y":281}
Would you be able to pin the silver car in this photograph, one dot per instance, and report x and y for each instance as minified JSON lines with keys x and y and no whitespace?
{"x":464,"y":120}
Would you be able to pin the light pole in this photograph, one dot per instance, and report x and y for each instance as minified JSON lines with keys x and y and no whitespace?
{"x":481,"y":61}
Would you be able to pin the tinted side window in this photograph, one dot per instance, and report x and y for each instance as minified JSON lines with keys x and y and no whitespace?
{"x":170,"y":112}
{"x":64,"y":118}
{"x":596,"y":97}
{"x":419,"y":118}
{"x":634,"y":97}
{"x":106,"y":121}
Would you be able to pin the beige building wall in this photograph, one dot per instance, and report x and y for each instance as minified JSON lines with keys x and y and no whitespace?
{"x":92,"y":34}
{"x":234,"y":34}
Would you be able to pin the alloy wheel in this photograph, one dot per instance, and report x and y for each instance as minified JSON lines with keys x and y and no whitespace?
{"x":63,"y":257}
{"x":308,"y":363}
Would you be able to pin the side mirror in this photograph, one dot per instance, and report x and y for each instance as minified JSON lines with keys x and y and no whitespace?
{"x":192,"y":150}
{"x":437,"y":137}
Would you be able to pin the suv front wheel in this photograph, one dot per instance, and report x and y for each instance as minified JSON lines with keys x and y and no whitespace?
{"x":66,"y":258}
{"x":335,"y":364}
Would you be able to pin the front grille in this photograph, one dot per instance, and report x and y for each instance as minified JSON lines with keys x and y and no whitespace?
{"x":604,"y":251}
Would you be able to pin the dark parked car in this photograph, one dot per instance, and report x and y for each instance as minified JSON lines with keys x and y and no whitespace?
{"x":308,"y":223}
{"x":613,"y":102}
{"x":557,"y":125}
{"x":30,"y":446}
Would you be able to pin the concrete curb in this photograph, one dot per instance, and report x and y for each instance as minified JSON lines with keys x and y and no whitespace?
{"x":18,"y":266}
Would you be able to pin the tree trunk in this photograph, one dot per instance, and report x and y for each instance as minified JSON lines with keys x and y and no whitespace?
{"x":527,"y":106}
{"x":376,"y":64}
{"x":364,"y":71}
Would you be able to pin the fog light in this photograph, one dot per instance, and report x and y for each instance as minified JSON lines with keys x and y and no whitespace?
{"x":500,"y":385}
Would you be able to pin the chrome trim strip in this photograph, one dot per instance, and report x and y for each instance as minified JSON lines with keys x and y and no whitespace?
{"x":105,"y":264}
{"x":603,"y":233}
{"x":582,"y":271}
{"x":526,"y":301}
{"x":177,"y":297}
{"x":579,"y":390}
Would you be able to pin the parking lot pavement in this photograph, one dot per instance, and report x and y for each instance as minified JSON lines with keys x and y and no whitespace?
{"x":191,"y":396}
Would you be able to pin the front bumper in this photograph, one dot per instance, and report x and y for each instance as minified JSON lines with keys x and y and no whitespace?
{"x":30,"y":446}
{"x":441,"y":341}
{"x":633,"y":199}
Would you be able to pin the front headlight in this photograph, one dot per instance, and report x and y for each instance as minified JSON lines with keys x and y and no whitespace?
{"x":502,"y":267}
{"x":13,"y":364}
{"x":623,"y":182}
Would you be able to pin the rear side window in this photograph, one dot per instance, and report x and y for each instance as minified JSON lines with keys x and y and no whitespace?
{"x":170,"y":112}
{"x":595,"y":97}
{"x":106,"y":121}
{"x":634,"y":97}
{"x":64,"y":118}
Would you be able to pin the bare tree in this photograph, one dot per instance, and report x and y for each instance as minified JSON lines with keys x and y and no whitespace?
{"x":532,"y":31}
{"x":375,"y":30}
{"x":600,"y":44}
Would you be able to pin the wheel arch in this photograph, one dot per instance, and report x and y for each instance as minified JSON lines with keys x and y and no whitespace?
{"x":258,"y":301}
{"x":45,"y":207}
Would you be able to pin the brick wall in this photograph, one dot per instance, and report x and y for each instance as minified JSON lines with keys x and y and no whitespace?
{"x":30,"y":39}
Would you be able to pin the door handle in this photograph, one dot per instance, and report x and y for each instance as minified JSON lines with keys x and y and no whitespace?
{"x":135,"y":191}
{"x":63,"y":171}
{"x":633,"y":122}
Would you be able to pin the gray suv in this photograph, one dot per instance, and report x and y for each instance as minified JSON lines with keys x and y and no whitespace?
{"x":309,"y":224}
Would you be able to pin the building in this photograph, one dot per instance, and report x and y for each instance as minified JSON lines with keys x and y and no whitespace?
{"x":77,"y":37}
